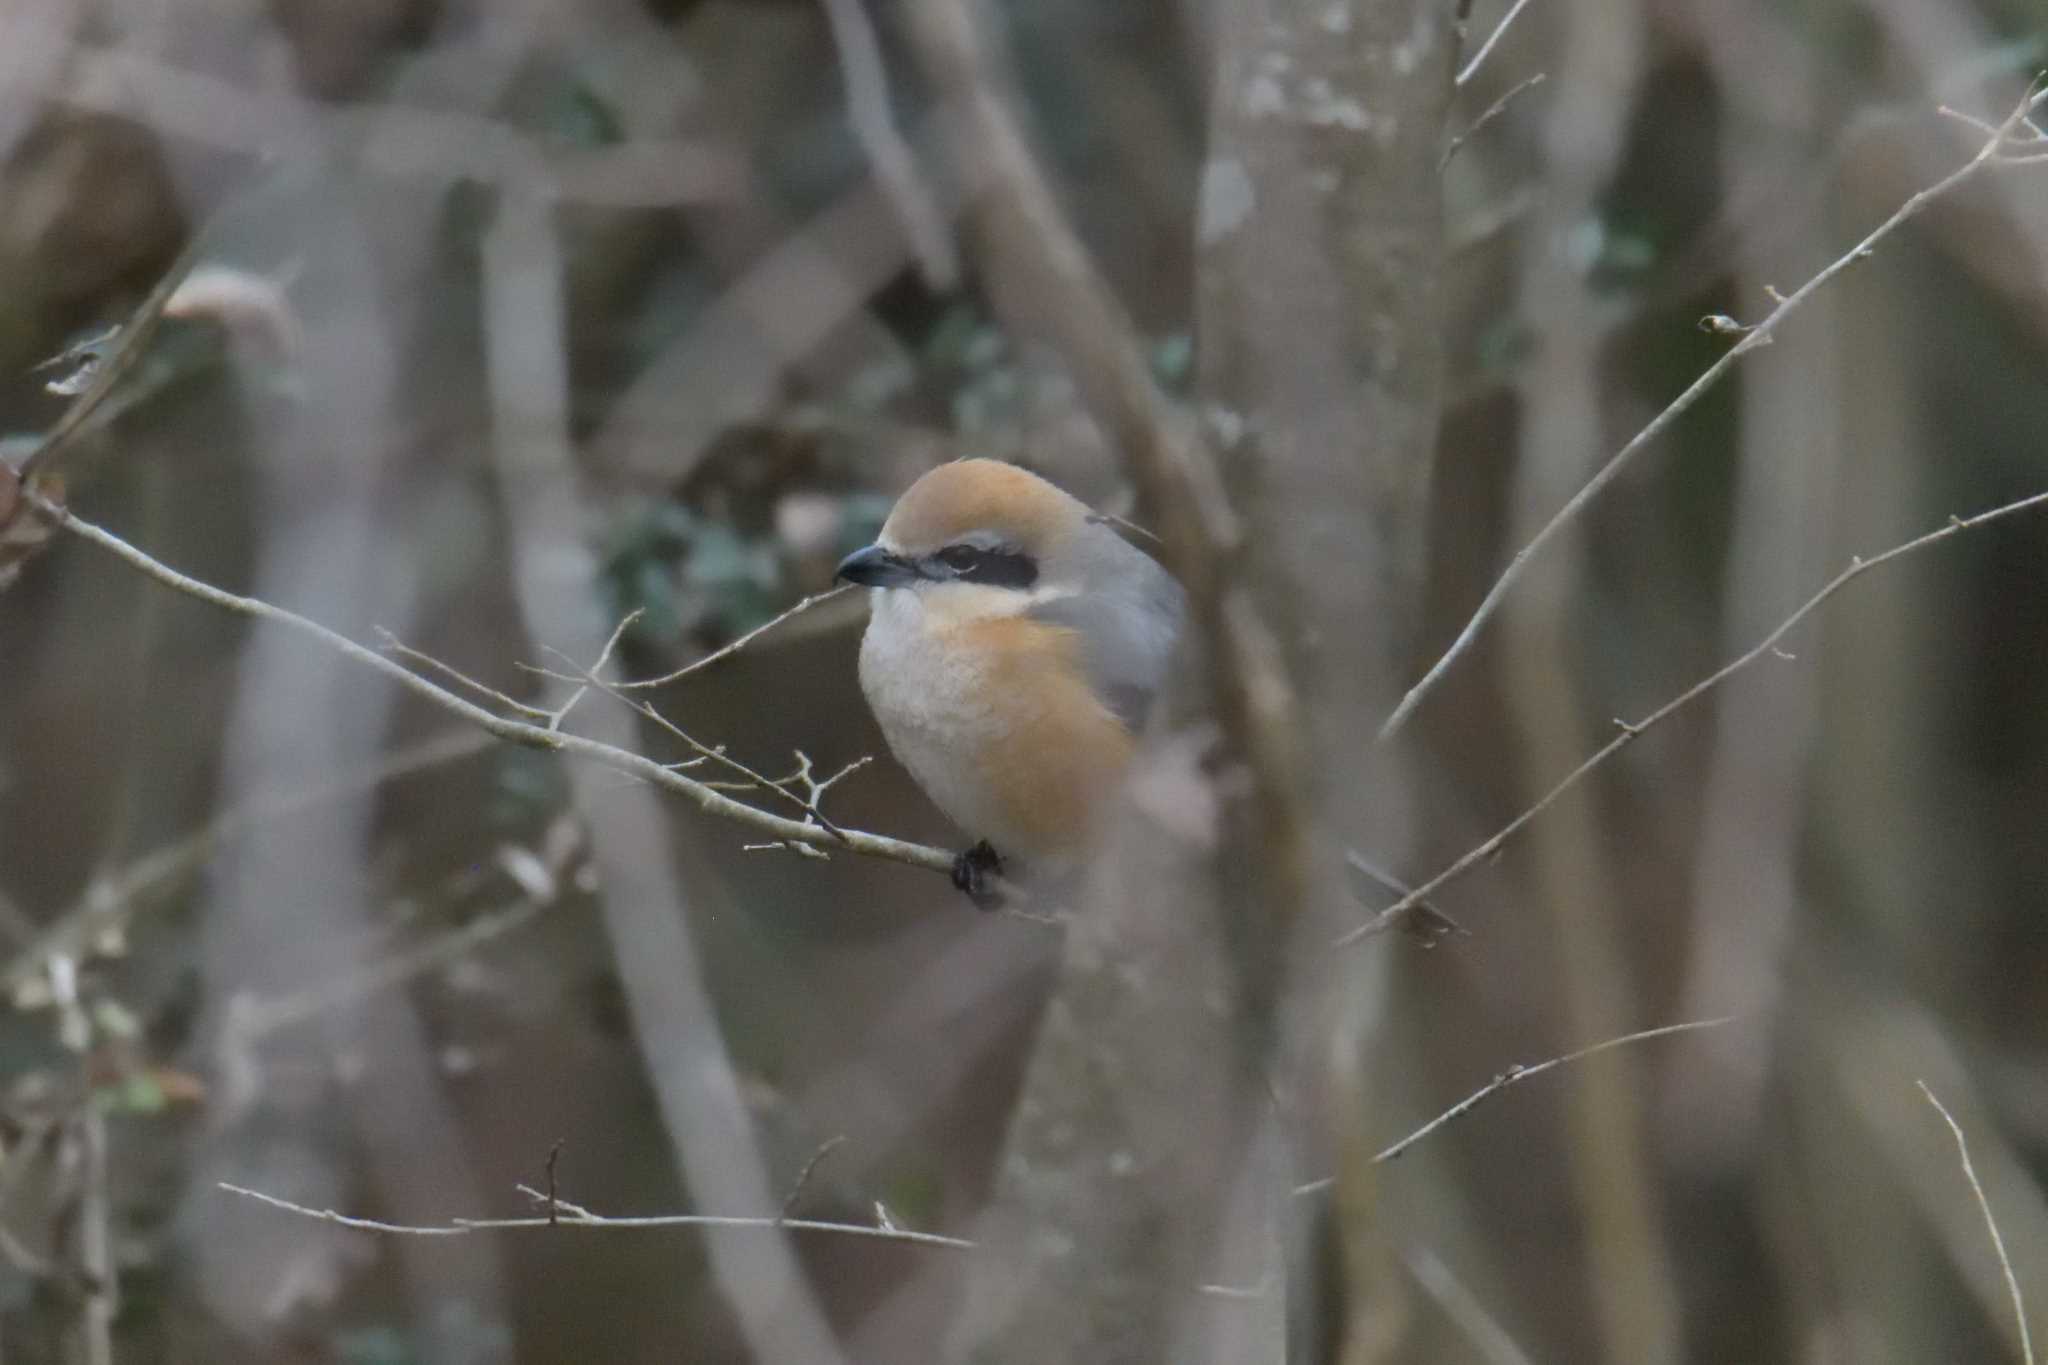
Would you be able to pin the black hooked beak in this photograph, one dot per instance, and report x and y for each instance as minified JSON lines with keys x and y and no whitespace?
{"x":875,"y":567}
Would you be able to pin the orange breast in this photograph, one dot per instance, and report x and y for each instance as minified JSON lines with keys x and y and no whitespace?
{"x":1060,"y":750}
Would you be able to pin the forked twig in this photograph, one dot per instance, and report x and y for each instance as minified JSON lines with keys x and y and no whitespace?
{"x":751,"y":777}
{"x":731,"y":648}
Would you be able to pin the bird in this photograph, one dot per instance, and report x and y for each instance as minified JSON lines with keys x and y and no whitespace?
{"x":1015,"y":644}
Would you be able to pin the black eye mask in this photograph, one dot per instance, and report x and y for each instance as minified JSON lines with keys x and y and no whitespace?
{"x":996,"y":568}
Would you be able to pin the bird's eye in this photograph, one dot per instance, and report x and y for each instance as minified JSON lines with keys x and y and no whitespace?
{"x":998,"y":568}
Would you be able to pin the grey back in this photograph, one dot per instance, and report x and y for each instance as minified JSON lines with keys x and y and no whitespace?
{"x":1129,"y":623}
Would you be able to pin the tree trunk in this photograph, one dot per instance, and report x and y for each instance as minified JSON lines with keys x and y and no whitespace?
{"x":1173,"y":1025}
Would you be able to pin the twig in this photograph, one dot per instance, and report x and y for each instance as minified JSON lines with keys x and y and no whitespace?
{"x":2012,"y":1284}
{"x":559,"y":1204}
{"x":554,"y":1193}
{"x":803,"y":1177}
{"x":726,"y":651}
{"x":1435,"y":924}
{"x":1485,"y":48}
{"x":515,"y":731}
{"x":112,"y":367}
{"x":703,"y":796}
{"x":1514,"y":1075}
{"x":588,"y":678}
{"x":1242,"y":1293}
{"x":569,"y":1215}
{"x":815,"y":789}
{"x":1492,"y":112}
{"x":711,"y":753}
{"x":2035,"y":134}
{"x":1627,"y":732}
{"x":391,"y":644}
{"x":604,"y":656}
{"x":1750,"y":340}
{"x":867,"y":108}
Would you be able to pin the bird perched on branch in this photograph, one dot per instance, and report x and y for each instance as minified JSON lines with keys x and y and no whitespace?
{"x":1015,"y":644}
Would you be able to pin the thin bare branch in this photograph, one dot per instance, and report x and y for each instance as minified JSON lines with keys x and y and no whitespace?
{"x":113,"y":366}
{"x":1627,"y":732}
{"x":803,"y":1177}
{"x":1493,"y":38}
{"x":568,"y":1215}
{"x":1750,"y":340}
{"x":712,"y":753}
{"x":525,"y":734}
{"x":1514,"y":1075}
{"x":726,"y":651}
{"x":1431,"y":925}
{"x":2012,"y":1283}
{"x":1492,"y":112}
{"x":391,"y":644}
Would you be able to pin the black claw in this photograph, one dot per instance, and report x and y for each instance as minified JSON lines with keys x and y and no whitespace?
{"x":972,"y":871}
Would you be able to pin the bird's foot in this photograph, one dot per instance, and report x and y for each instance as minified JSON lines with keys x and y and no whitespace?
{"x":973,"y":871}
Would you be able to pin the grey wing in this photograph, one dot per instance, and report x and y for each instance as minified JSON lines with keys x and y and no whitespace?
{"x":1127,"y":635}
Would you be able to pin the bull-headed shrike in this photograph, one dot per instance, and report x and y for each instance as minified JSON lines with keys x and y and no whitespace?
{"x":1015,"y":643}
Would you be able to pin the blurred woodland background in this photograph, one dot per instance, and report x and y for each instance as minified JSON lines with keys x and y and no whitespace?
{"x":507,"y":319}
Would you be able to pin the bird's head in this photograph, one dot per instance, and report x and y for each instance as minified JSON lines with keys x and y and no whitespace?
{"x":984,"y":538}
